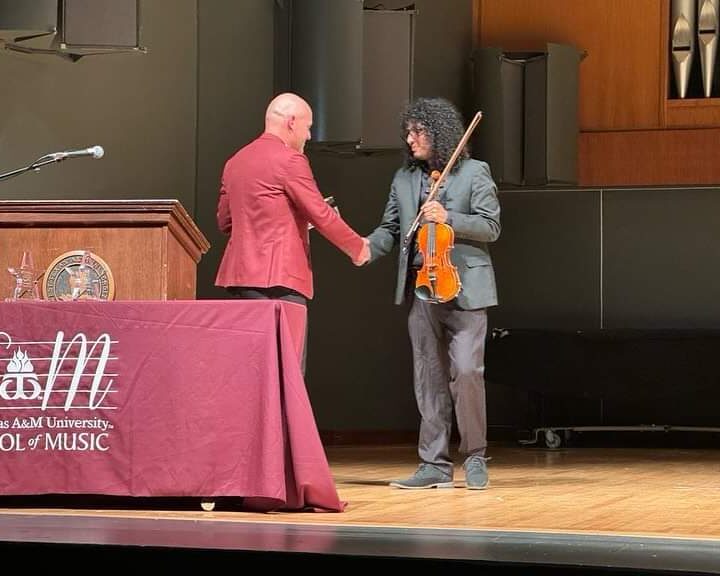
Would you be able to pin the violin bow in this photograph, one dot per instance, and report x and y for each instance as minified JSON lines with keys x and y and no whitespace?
{"x":438,"y":180}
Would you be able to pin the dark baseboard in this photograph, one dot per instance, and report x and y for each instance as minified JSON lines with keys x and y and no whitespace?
{"x":385,"y":437}
{"x":367,"y":437}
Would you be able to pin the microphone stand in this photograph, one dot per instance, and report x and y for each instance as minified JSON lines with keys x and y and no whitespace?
{"x":42,"y":161}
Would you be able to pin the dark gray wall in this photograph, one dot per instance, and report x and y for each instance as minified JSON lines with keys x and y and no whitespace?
{"x":140,"y":108}
{"x":359,"y":369}
{"x":548,"y":260}
{"x":660,"y":249}
{"x":611,"y":259}
{"x":170,"y":119}
{"x":235,"y":84}
{"x":359,"y":364}
{"x":609,"y":305}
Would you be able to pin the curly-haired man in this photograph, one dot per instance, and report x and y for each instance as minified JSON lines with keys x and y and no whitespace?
{"x":448,"y":339}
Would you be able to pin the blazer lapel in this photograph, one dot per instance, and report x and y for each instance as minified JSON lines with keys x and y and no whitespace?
{"x":416,"y":185}
{"x":444,"y":187}
{"x":409,"y":199}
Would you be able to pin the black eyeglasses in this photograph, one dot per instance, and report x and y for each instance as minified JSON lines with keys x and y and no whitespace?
{"x":416,"y":131}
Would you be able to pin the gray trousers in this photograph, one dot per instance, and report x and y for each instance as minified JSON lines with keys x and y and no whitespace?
{"x":449,"y":367}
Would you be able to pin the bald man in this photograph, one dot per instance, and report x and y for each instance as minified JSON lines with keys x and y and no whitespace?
{"x":268,"y":196}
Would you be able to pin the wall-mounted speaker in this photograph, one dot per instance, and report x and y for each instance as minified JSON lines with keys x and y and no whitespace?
{"x":24,"y":17}
{"x":530,"y":114}
{"x":326,"y":62}
{"x":100,"y":24}
{"x":388,"y":59}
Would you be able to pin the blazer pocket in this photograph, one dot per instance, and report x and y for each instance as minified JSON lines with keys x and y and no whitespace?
{"x":475,"y":261}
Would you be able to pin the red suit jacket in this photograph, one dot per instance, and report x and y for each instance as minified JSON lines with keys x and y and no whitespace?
{"x":267,"y":198}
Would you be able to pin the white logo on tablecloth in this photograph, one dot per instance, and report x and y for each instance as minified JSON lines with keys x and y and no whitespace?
{"x":76,"y":383}
{"x":19,"y":375}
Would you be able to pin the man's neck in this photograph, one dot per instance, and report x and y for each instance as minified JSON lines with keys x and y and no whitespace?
{"x":277,"y":133}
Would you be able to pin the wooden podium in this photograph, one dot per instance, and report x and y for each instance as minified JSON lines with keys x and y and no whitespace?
{"x":152,"y":247}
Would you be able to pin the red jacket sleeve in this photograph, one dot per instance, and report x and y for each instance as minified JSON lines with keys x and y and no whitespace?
{"x":224,"y":218}
{"x":303,"y":191}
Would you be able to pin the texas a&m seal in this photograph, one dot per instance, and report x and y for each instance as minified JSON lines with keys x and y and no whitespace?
{"x":78,"y":275}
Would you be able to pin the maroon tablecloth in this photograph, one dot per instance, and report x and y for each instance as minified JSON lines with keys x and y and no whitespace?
{"x":181,"y":398}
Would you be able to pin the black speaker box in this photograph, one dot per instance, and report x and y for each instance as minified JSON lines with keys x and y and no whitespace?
{"x":326,"y":63}
{"x":529,"y":102}
{"x":100,"y":23}
{"x":36,"y":16}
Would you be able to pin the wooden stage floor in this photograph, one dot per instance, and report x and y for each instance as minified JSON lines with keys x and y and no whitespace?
{"x":626,"y":508}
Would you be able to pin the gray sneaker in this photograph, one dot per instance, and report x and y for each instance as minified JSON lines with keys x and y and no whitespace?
{"x":426,"y":476}
{"x":476,"y":472}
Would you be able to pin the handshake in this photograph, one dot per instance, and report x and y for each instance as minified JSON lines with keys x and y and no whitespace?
{"x":364,"y":255}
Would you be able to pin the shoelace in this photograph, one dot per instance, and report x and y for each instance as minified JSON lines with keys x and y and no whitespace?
{"x":476,"y":461}
{"x":428,"y":470}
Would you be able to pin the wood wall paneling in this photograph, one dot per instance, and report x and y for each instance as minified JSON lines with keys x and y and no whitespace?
{"x":631,"y":133}
{"x":692,"y":113}
{"x":649,"y":157}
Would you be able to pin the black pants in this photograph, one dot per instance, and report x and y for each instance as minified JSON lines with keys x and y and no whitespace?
{"x":273,"y":293}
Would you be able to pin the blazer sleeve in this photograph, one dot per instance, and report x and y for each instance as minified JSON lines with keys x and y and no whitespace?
{"x":224,"y":217}
{"x":302,"y":189}
{"x":482,"y":224}
{"x":387,"y":234}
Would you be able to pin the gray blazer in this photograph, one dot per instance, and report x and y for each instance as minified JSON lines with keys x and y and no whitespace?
{"x":469,"y":195}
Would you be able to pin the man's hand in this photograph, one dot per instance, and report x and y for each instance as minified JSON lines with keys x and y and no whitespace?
{"x":364,"y":256}
{"x":434,"y":212}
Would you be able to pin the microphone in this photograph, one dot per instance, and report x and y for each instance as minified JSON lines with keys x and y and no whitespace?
{"x":95,"y":151}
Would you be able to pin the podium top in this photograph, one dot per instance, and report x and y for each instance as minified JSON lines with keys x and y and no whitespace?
{"x":170,"y":213}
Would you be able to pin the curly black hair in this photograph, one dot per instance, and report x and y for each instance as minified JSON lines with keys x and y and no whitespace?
{"x":442,"y":122}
